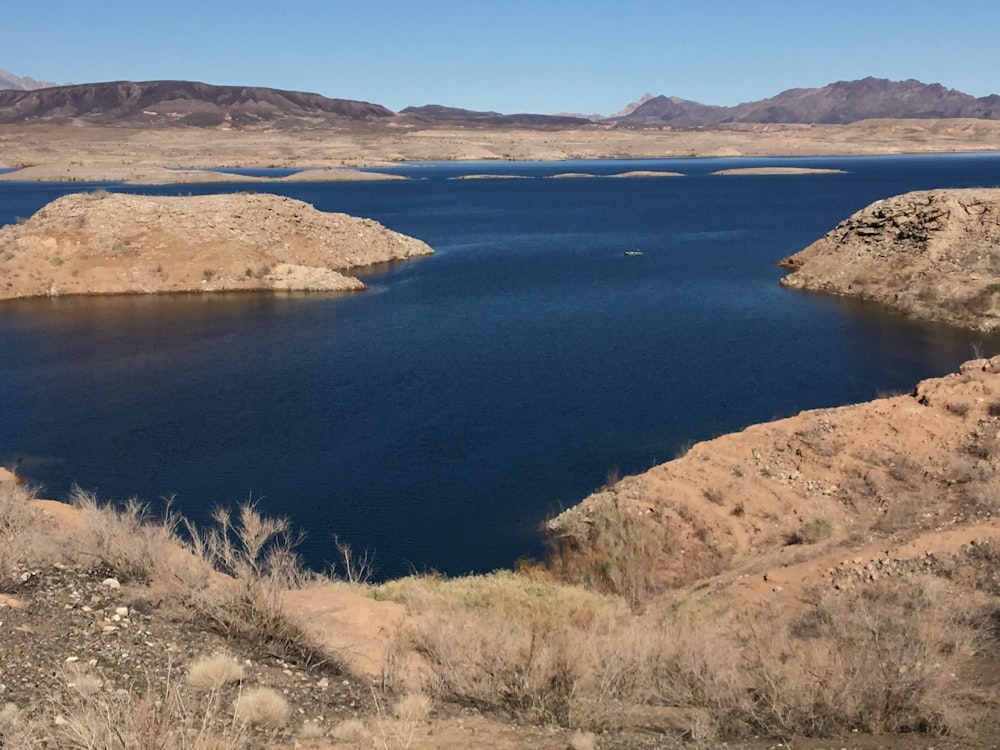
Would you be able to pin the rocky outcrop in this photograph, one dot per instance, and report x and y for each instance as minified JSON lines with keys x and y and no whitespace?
{"x":107,"y":243}
{"x":931,"y":254}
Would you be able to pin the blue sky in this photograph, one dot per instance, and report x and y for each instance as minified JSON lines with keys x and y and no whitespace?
{"x":590,"y":56}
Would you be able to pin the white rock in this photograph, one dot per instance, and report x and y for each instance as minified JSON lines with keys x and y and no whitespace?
{"x":111,"y":583}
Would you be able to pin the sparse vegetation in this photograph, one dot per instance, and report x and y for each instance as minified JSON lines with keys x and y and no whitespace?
{"x":262,"y":707}
{"x":212,"y":672}
{"x":812,"y":531}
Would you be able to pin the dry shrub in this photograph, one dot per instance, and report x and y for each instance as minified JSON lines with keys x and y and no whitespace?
{"x":524,"y":668}
{"x":15,"y":730}
{"x":621,"y":554}
{"x":233,"y":573}
{"x":582,"y":741}
{"x":502,"y":641}
{"x":134,"y":544}
{"x":117,"y":719}
{"x":412,"y":707}
{"x":19,"y":529}
{"x":889,"y":659}
{"x":262,"y":707}
{"x":352,"y":731}
{"x":257,"y":556}
{"x":212,"y":672}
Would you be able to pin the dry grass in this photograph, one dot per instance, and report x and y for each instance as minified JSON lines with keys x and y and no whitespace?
{"x":620,"y":554}
{"x":891,"y":657}
{"x":212,"y":672}
{"x":886,"y":659}
{"x":582,"y":741}
{"x":352,"y":732}
{"x":256,"y":556}
{"x":262,"y":707}
{"x":18,"y":528}
{"x":134,"y":544}
{"x":117,"y":719}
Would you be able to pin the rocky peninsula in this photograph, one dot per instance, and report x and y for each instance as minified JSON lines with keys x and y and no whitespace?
{"x":107,"y":243}
{"x":930,"y":254}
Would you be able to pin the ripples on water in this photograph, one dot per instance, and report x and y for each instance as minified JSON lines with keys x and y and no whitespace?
{"x":439,"y":417}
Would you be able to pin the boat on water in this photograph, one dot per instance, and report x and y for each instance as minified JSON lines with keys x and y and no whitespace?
{"x":633,"y":252}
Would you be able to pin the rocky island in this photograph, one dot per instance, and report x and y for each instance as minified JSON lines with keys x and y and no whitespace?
{"x":931,"y":254}
{"x":107,"y":243}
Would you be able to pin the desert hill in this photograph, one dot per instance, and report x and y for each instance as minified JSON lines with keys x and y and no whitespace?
{"x":106,"y":243}
{"x":878,"y":474}
{"x":159,"y":103}
{"x":932,"y":254}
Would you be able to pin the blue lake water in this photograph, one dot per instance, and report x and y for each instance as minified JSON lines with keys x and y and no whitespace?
{"x":439,"y":417}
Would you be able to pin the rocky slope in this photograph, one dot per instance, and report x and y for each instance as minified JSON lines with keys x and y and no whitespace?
{"x":931,"y":254}
{"x":105,"y":243}
{"x":897,"y":473}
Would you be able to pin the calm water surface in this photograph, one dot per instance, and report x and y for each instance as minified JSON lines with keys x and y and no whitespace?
{"x":440,"y":416}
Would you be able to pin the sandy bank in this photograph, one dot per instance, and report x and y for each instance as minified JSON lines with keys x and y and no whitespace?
{"x":153,"y":175}
{"x":646,"y":173}
{"x":777,"y":170}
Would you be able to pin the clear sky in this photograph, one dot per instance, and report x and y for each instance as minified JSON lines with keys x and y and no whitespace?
{"x":589,"y":56}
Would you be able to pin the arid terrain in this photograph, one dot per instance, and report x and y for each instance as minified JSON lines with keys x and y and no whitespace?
{"x":830,"y":580}
{"x":65,"y":147}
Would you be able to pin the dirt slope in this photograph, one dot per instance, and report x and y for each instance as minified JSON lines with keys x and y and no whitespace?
{"x":932,"y":254}
{"x":104,"y":243}
{"x":863,"y":478}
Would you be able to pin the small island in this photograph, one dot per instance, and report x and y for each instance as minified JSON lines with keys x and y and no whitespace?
{"x":776,"y":171}
{"x":108,"y":243}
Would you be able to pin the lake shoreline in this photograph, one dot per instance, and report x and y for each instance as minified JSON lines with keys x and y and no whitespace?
{"x":115,"y":150}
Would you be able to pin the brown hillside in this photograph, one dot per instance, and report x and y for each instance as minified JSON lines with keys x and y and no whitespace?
{"x":881,"y":473}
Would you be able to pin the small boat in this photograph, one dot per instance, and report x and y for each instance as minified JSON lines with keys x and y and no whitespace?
{"x":633,"y":252}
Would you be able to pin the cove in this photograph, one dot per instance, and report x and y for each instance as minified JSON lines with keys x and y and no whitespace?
{"x":440,"y":416}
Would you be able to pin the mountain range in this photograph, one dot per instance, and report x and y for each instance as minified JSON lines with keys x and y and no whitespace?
{"x":186,"y":103}
{"x":11,"y":81}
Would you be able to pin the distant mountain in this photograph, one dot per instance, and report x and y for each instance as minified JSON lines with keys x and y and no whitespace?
{"x":157,"y":103}
{"x":186,"y":103}
{"x":10,"y":81}
{"x":836,"y":103}
{"x":436,"y":113}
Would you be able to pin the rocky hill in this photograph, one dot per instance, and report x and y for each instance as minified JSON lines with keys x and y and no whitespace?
{"x":106,"y":243}
{"x":931,"y":254}
{"x":804,"y":501}
{"x":159,"y":103}
{"x":837,"y":103}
